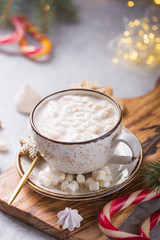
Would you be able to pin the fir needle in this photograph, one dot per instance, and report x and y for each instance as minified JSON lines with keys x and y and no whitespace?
{"x":23,"y":181}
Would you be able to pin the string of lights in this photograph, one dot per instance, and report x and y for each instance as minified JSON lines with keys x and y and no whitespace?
{"x":140,"y":41}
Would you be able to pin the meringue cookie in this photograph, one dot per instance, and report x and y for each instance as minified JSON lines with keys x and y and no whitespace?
{"x":69,"y":219}
{"x":26,"y":98}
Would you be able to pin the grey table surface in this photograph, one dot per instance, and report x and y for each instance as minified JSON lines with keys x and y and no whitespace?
{"x":80,"y":52}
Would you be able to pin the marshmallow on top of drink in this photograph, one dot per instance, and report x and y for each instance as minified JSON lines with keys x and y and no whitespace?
{"x":76,"y":118}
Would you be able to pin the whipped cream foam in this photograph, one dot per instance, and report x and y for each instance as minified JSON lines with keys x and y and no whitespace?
{"x":75,"y":117}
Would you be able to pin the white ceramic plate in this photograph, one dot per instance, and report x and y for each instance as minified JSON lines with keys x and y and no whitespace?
{"x":121,"y":174}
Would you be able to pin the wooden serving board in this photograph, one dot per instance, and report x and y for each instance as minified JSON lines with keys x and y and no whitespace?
{"x":142,"y":118}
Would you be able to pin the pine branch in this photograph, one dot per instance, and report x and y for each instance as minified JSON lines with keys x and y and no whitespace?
{"x":44,"y":24}
{"x":42,"y":12}
{"x":65,"y":8}
{"x":151,"y":174}
{"x":7,"y":8}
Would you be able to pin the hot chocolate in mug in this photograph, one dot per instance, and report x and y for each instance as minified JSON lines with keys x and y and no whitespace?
{"x":71,"y":155}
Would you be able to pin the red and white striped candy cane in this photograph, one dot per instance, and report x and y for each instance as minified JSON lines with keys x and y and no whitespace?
{"x":119,"y":204}
{"x":17,"y":35}
{"x":148,"y":224}
{"x":31,"y":51}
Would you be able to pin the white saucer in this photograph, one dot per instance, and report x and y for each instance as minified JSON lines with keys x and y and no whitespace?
{"x":121,"y":174}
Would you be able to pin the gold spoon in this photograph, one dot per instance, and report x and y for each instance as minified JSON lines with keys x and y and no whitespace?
{"x":23,"y":180}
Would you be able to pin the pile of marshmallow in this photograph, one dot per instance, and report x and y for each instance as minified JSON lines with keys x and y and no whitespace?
{"x":70,"y":183}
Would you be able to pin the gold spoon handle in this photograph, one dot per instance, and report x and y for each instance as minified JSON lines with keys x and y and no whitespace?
{"x":22,"y":181}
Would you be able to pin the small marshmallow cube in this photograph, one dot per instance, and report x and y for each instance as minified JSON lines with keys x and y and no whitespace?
{"x":46,"y":170}
{"x":104,"y":114}
{"x":80,"y":179}
{"x":89,"y":180}
{"x":76,"y":184}
{"x":75,"y":124}
{"x":108,"y":173}
{"x":54,"y":181}
{"x":3,"y":146}
{"x":79,"y":114}
{"x":108,"y":178}
{"x":93,"y":186}
{"x":104,"y":184}
{"x":53,"y":134}
{"x":107,"y":127}
{"x":69,"y":177}
{"x":86,"y":124}
{"x":106,"y":169}
{"x":80,"y":129}
{"x":70,"y":188}
{"x":99,"y":175}
{"x":44,"y":179}
{"x":85,"y":99}
{"x":93,"y":129}
{"x":101,"y":184}
{"x":51,"y":169}
{"x":98,"y":106}
{"x":60,"y":176}
{"x":63,"y":185}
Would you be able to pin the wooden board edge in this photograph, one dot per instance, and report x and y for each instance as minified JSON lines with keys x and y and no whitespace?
{"x":30,"y":219}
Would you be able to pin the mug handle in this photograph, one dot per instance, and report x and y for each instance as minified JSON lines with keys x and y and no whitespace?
{"x":131,"y":143}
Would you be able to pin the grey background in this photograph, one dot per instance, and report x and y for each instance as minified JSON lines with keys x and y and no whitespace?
{"x":80,"y":52}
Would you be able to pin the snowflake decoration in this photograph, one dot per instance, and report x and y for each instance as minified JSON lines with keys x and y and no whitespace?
{"x":28,"y":147}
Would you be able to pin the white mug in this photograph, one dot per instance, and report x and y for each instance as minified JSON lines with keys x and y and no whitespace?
{"x":81,"y":157}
